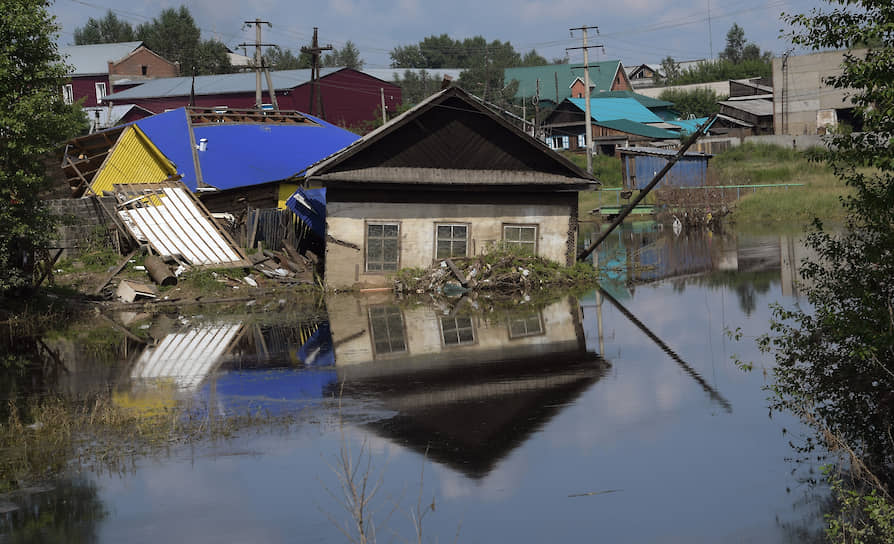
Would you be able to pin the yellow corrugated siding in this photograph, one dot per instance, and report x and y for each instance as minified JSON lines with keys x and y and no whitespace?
{"x":285,"y":191}
{"x":135,"y":159}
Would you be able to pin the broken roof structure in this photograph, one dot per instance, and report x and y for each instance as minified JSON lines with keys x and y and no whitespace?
{"x":221,"y":150}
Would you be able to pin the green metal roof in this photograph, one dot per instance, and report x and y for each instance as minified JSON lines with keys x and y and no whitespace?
{"x":602,"y":74}
{"x":640,"y":129}
{"x":646,"y":101}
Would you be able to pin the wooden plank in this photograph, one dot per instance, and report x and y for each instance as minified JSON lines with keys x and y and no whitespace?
{"x":108,"y":277}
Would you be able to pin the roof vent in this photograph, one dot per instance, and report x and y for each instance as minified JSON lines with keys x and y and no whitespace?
{"x":203,"y":144}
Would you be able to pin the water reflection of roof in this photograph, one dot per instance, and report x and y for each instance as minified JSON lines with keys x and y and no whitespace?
{"x":186,"y":357}
{"x":470,"y":416}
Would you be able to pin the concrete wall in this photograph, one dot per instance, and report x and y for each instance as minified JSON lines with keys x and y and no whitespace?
{"x":346,"y":221}
{"x":799,"y":93}
{"x":422,"y":333}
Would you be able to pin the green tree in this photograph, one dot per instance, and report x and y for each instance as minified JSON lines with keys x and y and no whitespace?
{"x":348,"y":56}
{"x":533,"y":58}
{"x":670,"y":70}
{"x":835,"y":364}
{"x":735,"y":44}
{"x":33,"y":121}
{"x":109,"y":29}
{"x":416,"y":86}
{"x":175,"y":36}
{"x":285,"y":59}
{"x":697,"y":102}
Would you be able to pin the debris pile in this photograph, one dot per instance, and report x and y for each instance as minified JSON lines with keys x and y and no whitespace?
{"x":505,"y":273}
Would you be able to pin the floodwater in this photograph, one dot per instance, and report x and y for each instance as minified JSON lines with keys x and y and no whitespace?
{"x":615,"y":415}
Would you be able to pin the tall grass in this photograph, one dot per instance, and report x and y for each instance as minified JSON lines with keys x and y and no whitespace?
{"x":751,"y":163}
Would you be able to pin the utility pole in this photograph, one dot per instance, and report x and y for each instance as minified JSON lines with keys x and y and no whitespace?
{"x":314,"y":51}
{"x":258,"y":62}
{"x":382,"y":95}
{"x":588,"y":122}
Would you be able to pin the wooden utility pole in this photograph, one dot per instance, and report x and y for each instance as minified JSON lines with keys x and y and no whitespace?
{"x":382,"y":94}
{"x":257,"y":61}
{"x":314,"y":51}
{"x":588,"y":122}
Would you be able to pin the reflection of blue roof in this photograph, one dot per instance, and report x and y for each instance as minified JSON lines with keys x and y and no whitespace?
{"x":239,"y":155}
{"x":608,"y":109}
{"x":169,"y":131}
{"x":276,"y":391}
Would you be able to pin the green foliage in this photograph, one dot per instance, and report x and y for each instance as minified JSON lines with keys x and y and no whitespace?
{"x":835,"y":365}
{"x":109,"y":29}
{"x":697,"y":102}
{"x":862,"y":517}
{"x":285,"y":59}
{"x":482,"y":62}
{"x":348,"y":56}
{"x":175,"y":36}
{"x":33,"y":121}
{"x":416,"y":86}
{"x":723,"y":69}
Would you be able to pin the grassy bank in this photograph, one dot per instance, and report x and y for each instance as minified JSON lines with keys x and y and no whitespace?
{"x":820,"y":196}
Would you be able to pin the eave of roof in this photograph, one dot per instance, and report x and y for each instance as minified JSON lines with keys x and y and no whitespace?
{"x":638,"y":129}
{"x":370,"y":138}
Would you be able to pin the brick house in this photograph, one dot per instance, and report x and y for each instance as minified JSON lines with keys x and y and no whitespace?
{"x":101,"y":69}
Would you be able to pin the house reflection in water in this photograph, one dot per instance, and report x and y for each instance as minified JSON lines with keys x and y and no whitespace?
{"x":466,"y":388}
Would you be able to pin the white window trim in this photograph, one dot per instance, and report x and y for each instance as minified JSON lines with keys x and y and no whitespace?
{"x":68,"y":94}
{"x":101,"y":90}
{"x":468,"y":237}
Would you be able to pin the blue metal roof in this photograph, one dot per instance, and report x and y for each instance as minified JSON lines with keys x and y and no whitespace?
{"x":610,"y":109}
{"x":689,"y":126}
{"x":169,"y":131}
{"x":242,"y":155}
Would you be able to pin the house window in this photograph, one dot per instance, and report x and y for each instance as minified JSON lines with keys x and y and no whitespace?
{"x":521,"y":327}
{"x":382,"y":245}
{"x":582,"y":141}
{"x":451,"y":241}
{"x":144,"y":70}
{"x":521,"y":237}
{"x":560,"y":142}
{"x":386,"y":325}
{"x":67,"y":94}
{"x":457,"y":331}
{"x":100,"y":90}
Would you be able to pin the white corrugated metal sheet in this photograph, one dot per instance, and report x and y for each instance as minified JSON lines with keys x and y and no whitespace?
{"x":173,"y":224}
{"x":186,"y":357}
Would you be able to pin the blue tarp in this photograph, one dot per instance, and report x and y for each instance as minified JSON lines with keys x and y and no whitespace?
{"x":310,"y":206}
{"x":243,"y":155}
{"x":240,"y":155}
{"x":277,"y":391}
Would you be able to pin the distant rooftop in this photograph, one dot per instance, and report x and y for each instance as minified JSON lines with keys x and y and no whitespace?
{"x":94,"y":59}
{"x":602,"y":74}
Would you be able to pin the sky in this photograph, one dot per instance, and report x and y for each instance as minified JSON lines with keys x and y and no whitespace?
{"x":634,"y":31}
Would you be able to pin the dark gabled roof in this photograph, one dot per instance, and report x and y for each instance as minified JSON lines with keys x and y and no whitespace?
{"x":450,"y":139}
{"x":639,"y":129}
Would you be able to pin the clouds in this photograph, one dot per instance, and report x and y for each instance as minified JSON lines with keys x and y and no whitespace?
{"x":634,"y":30}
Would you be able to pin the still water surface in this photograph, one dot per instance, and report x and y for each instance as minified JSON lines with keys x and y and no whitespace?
{"x":616,"y":415}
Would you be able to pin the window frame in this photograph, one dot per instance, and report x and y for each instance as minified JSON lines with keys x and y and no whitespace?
{"x":468,"y":227}
{"x":366,"y":225}
{"x":526,"y":334}
{"x":96,"y":86}
{"x":386,"y":308}
{"x":68,"y":94}
{"x":459,"y":343}
{"x":535,"y":226}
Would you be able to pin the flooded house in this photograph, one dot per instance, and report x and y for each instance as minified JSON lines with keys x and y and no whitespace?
{"x":448,"y":178}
